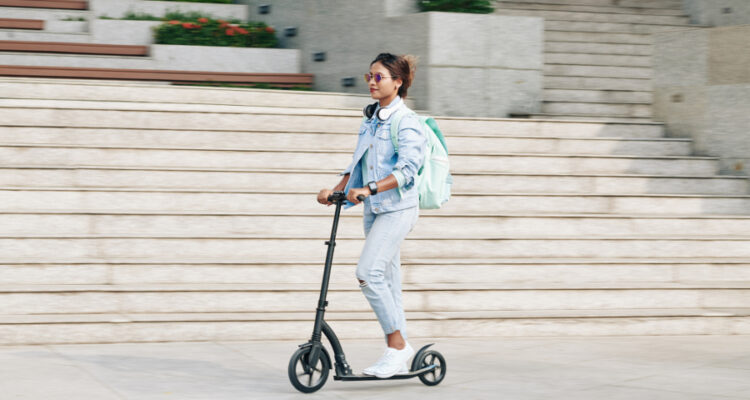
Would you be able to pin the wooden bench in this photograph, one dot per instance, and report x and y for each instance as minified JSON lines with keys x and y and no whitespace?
{"x":59,"y":4}
{"x":176,"y":77}
{"x":73,"y":48}
{"x":15,"y":23}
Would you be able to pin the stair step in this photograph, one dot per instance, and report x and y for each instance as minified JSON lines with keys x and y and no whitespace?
{"x":596,"y":60}
{"x":74,"y":48}
{"x":575,"y":16}
{"x":599,"y":96}
{"x":286,"y":120}
{"x":352,"y":287}
{"x":156,"y":68}
{"x":275,"y":223}
{"x":45,"y":36}
{"x":644,"y":50}
{"x":535,"y":272}
{"x":113,"y":328}
{"x":240,"y":248}
{"x":592,"y":83}
{"x":611,"y":27}
{"x":269,"y":180}
{"x":605,"y":109}
{"x":198,"y":140}
{"x":58,"y":4}
{"x":551,"y":6}
{"x":597,"y":37}
{"x":651,"y":4}
{"x":72,"y":299}
{"x":17,"y":23}
{"x":589,"y":117}
{"x":123,"y":91}
{"x":26,"y":64}
{"x":76,"y":105}
{"x":598,"y":71}
{"x":203,"y":201}
{"x":229,"y":159}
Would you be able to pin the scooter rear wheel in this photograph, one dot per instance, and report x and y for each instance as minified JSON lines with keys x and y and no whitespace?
{"x":305,"y":377}
{"x":436,"y":375}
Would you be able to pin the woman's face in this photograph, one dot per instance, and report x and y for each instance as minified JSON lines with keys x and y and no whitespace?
{"x":385,"y":90}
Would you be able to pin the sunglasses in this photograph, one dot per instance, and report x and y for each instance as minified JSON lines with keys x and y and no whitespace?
{"x":378,"y":77}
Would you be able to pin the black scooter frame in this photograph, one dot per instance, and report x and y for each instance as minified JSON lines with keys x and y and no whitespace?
{"x":321,"y":327}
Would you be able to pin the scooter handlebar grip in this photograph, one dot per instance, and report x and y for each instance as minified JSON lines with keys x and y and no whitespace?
{"x":337,"y":196}
{"x":361,"y":197}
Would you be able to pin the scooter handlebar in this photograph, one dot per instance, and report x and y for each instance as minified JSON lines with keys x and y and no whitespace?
{"x":338,"y":196}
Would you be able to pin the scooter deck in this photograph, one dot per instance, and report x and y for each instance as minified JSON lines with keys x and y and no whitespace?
{"x":409,"y":375}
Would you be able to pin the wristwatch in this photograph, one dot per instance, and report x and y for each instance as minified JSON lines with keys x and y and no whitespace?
{"x":373,"y":187}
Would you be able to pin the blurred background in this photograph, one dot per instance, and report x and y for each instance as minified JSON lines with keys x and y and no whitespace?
{"x":159,"y":162}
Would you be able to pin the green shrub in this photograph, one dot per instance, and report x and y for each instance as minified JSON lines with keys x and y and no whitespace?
{"x":192,"y":16}
{"x":465,"y":6}
{"x":131,"y":16}
{"x":204,"y":31}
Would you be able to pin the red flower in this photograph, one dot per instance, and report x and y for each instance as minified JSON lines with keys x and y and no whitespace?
{"x":269,"y":29}
{"x":230,"y":32}
{"x":174,"y":22}
{"x":187,"y":25}
{"x":203,"y":20}
{"x":223,"y":25}
{"x":242,"y":31}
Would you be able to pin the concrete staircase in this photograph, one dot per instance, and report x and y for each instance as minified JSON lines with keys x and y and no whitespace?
{"x":598,"y":54}
{"x":134,"y":212}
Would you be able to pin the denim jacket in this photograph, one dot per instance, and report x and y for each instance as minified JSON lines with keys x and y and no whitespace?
{"x":375,"y":143}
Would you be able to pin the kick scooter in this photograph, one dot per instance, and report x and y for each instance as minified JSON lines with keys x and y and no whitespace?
{"x":310,"y":364}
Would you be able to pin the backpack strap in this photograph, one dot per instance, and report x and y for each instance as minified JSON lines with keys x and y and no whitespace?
{"x":395,"y":121}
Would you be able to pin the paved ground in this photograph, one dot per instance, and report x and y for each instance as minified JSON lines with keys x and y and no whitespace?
{"x":679,"y":368}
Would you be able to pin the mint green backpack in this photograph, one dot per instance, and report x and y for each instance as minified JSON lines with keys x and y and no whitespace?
{"x":434,"y":178}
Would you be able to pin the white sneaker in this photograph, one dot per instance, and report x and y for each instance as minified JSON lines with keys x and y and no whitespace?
{"x":393,"y":362}
{"x":373,"y":368}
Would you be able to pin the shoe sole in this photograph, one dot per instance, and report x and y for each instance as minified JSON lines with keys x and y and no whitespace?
{"x":403,"y":371}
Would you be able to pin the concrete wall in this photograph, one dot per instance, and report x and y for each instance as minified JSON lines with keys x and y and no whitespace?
{"x":718,"y":12}
{"x":470,"y":65}
{"x":702,"y":90}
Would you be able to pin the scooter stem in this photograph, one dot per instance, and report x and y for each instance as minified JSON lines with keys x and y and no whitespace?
{"x":338,"y":198}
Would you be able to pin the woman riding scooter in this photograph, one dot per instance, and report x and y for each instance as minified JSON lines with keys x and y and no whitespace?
{"x":386,"y":180}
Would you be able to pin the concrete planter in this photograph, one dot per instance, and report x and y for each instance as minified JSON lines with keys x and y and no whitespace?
{"x":470,"y":65}
{"x":225,"y":59}
{"x":718,"y":13}
{"x":114,"y":31}
{"x":702,"y":91}
{"x":118,"y":9}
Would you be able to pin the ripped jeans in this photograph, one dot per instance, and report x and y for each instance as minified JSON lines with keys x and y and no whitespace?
{"x":379,"y":265}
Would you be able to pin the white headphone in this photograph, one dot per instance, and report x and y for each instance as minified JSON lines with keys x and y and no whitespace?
{"x":383,"y":113}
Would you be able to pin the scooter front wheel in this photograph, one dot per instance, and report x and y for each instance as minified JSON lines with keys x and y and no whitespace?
{"x":436,"y":375}
{"x":305,"y":377}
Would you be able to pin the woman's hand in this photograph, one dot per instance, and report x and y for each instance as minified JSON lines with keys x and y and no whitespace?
{"x":323,"y":196}
{"x":354,"y":193}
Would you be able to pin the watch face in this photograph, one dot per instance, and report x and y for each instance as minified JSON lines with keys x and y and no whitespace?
{"x":373,"y":187}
